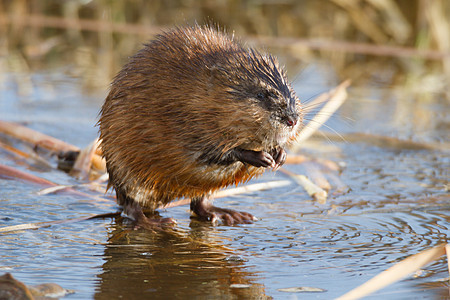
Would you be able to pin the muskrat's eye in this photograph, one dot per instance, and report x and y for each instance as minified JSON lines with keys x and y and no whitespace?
{"x":261,"y":96}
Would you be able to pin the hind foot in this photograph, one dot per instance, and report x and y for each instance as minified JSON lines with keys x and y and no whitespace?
{"x":133,"y":210}
{"x":204,"y":210}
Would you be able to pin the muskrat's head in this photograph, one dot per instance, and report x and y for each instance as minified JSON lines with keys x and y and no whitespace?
{"x":258,"y":86}
{"x":233,"y":94}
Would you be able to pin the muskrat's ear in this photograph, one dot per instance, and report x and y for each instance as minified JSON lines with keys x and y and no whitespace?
{"x":215,"y":71}
{"x":217,"y":74}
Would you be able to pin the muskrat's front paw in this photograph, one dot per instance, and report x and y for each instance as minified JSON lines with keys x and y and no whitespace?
{"x":227,"y":216}
{"x":256,"y":158}
{"x":279,"y":155}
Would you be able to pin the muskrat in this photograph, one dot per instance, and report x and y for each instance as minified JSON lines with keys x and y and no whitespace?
{"x":192,"y":112}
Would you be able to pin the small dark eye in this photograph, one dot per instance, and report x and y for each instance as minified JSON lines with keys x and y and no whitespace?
{"x":261,"y":96}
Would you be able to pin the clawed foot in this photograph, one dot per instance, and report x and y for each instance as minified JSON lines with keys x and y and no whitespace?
{"x":205,"y":211}
{"x":227,"y":216}
{"x":133,"y":210}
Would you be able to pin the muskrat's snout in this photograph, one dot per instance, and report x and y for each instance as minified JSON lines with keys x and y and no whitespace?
{"x":292,"y":116}
{"x":292,"y":113}
{"x":291,"y":121}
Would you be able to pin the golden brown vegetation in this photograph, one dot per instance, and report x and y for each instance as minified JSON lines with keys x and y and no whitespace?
{"x":96,"y":36}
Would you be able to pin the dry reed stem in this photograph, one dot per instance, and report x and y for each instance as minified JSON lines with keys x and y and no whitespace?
{"x":398,"y":271}
{"x":350,"y":47}
{"x":395,"y":23}
{"x":447,"y":251}
{"x":336,"y":96}
{"x":296,"y":159}
{"x":311,"y":188}
{"x":38,"y":225}
{"x":440,"y":30}
{"x":317,"y":176}
{"x":365,"y":24}
{"x":14,"y":151}
{"x":329,"y":164}
{"x":386,"y":141}
{"x":83,"y":163}
{"x":86,"y":159}
{"x":251,"y":188}
{"x":10,"y":172}
{"x":23,"y":155}
{"x":40,"y":140}
{"x":98,"y":163}
{"x":34,"y":20}
{"x":339,"y":186}
{"x":34,"y":137}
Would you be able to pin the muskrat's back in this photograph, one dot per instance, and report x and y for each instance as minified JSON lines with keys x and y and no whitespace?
{"x":179,"y":108}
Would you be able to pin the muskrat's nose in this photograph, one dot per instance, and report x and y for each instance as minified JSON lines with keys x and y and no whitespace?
{"x":291,"y":121}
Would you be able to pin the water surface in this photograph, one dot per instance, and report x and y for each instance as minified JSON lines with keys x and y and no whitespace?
{"x":395,"y":205}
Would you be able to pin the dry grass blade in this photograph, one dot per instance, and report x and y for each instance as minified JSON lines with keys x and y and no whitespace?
{"x":397,"y":272}
{"x":337,"y":96}
{"x":311,"y":188}
{"x":52,"y":189}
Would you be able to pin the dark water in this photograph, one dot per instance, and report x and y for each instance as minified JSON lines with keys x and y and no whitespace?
{"x":397,"y":206}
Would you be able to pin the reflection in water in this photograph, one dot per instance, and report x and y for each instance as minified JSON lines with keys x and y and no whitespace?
{"x":172,"y":264}
{"x":398,"y":205}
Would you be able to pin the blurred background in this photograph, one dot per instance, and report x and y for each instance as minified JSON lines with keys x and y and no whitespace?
{"x":400,"y":42}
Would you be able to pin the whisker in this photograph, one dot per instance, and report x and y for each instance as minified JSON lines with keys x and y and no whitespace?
{"x":297,"y":74}
{"x":328,"y":127}
{"x":312,"y":114}
{"x":314,"y":104}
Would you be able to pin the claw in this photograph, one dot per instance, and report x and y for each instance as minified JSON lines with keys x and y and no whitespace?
{"x":204,"y":210}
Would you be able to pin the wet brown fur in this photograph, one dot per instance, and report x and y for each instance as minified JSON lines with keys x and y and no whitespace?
{"x":178,"y":108}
